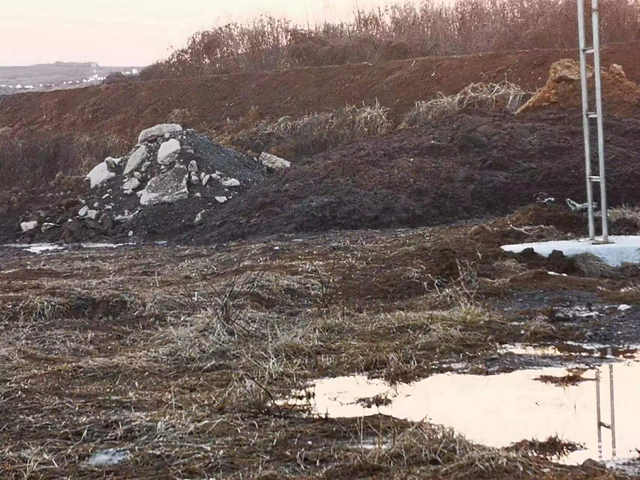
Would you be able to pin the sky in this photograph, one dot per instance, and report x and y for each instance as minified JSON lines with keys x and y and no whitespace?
{"x":135,"y":32}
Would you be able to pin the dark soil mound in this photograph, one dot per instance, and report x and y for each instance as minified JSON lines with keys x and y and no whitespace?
{"x":463,"y":167}
{"x":145,"y":195}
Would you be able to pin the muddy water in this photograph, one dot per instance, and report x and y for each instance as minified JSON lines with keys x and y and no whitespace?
{"x":502,"y":409}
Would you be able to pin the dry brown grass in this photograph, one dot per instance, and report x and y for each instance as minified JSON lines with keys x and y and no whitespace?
{"x":504,"y":96}
{"x":316,"y":133}
{"x":395,"y":32}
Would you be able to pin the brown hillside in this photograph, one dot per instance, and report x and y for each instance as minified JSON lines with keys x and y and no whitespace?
{"x":208,"y":103}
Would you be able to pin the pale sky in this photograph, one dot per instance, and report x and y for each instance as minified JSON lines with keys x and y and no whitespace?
{"x":135,"y":32}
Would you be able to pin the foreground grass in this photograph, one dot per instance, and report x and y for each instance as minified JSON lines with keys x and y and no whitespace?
{"x":179,"y":355}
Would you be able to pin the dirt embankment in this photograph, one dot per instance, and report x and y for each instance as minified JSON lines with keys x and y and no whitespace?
{"x":466,"y":166}
{"x":216,"y":102}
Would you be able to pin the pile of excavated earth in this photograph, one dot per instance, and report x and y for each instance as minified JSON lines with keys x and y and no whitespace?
{"x":178,"y":185}
{"x":171,"y":180}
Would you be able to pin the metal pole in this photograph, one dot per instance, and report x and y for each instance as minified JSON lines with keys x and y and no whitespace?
{"x":585,"y":116}
{"x":595,"y":19}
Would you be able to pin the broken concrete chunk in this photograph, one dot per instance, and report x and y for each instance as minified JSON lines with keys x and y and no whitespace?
{"x":166,"y":188}
{"x":273,"y":162}
{"x":112,"y":163}
{"x":136,"y":158}
{"x":230,"y":183}
{"x":131,"y":184}
{"x":168,"y":152}
{"x":158,"y":131}
{"x":100,"y":174}
{"x":199,"y":218}
{"x":83,"y":211}
{"x":48,"y":226}
{"x":221,"y":199}
{"x":26,"y":226}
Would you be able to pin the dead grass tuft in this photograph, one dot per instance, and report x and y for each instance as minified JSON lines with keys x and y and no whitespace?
{"x":503,"y":96}
{"x":317,"y":132}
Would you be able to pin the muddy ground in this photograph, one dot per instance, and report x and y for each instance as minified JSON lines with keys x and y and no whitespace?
{"x":178,"y":355}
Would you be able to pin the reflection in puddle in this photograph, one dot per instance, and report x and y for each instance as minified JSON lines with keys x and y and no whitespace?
{"x":503,"y":409}
{"x":575,"y":349}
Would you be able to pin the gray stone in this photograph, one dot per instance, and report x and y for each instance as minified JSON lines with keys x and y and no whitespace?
{"x":199,"y":218}
{"x":83,"y":211}
{"x":158,"y":131}
{"x":166,"y":188}
{"x":145,"y":165}
{"x":100,"y":174}
{"x":131,"y":184}
{"x":169,"y":152}
{"x":27,"y":226}
{"x":205,"y":180}
{"x":195,"y":180}
{"x":273,"y":162}
{"x":112,"y":163}
{"x":230,"y":183}
{"x":48,"y":226}
{"x":92,"y":214}
{"x":221,"y":199}
{"x":136,"y":159}
{"x":193,"y":166}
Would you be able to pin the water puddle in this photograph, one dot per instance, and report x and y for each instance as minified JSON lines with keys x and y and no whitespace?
{"x":52,"y":247}
{"x":500,"y":410}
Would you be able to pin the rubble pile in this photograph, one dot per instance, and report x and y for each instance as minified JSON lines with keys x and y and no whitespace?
{"x":170,"y":181}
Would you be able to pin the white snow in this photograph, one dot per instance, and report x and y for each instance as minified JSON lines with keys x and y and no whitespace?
{"x":621,"y":249}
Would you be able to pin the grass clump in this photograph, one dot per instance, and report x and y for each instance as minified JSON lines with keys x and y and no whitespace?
{"x":317,"y":132}
{"x":503,"y":96}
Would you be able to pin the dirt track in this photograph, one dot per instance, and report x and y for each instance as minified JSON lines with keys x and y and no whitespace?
{"x":209,"y":102}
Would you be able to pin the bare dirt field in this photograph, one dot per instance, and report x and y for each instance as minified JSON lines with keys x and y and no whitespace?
{"x":179,"y":358}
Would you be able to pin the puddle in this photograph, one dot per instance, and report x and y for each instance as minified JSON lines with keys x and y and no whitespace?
{"x":108,"y":457}
{"x":52,"y":247}
{"x":503,"y":409}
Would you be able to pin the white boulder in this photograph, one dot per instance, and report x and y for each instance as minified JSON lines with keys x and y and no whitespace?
{"x":158,"y":131}
{"x":221,"y":199}
{"x":136,"y":158}
{"x":274,"y":162}
{"x":26,"y":226}
{"x":230,"y":183}
{"x":168,"y":152}
{"x":131,"y":184}
{"x":100,"y":174}
{"x":83,"y":211}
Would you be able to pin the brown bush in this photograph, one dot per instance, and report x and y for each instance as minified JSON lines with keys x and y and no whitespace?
{"x":33,"y":160}
{"x":396,"y":32}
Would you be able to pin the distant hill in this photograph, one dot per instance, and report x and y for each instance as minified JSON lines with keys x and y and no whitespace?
{"x":55,"y":75}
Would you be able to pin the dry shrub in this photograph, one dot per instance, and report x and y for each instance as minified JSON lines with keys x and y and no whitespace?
{"x":32,"y":160}
{"x":395,"y":32}
{"x":317,"y":132}
{"x":505,"y":96}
